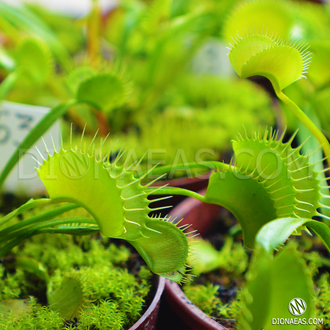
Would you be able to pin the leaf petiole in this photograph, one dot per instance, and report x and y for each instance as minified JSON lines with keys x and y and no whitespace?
{"x":205,"y":166}
{"x":176,"y":191}
{"x":39,"y":218}
{"x":307,"y":122}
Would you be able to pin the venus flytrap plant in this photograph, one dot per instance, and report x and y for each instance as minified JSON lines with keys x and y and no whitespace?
{"x":268,"y":15}
{"x":303,"y":22}
{"x":77,"y":282}
{"x":33,"y":61}
{"x":67,"y":298}
{"x":121,"y":209}
{"x":205,"y":258}
{"x":272,"y":283}
{"x":270,"y":180}
{"x":283,"y":277}
{"x":260,"y":53}
{"x":157,"y":240}
{"x":269,"y":186}
{"x":105,"y":91}
{"x":14,"y":19}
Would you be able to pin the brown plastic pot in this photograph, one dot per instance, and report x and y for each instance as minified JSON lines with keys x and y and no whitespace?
{"x":201,"y":216}
{"x":148,"y":320}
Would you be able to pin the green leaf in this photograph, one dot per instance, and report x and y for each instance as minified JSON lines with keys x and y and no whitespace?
{"x":271,"y":285}
{"x":103,"y":91}
{"x":119,"y":204}
{"x":319,"y":71}
{"x":84,"y":177}
{"x":34,"y":60}
{"x":6,"y":61}
{"x":68,"y":298}
{"x":77,"y":76}
{"x":276,"y":232}
{"x":7,"y":84}
{"x":275,"y":17}
{"x":165,"y":250}
{"x":158,"y":12}
{"x":32,"y":266}
{"x":22,"y":18}
{"x":245,"y":197}
{"x":289,"y":177}
{"x":258,"y":284}
{"x":270,"y":180}
{"x":260,"y":54}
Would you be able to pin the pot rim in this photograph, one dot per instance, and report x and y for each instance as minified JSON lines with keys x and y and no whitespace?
{"x":153,"y":307}
{"x":192,"y":315}
{"x":177,"y":299}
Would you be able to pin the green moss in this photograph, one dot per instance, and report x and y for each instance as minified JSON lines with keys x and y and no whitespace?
{"x":322,"y":301}
{"x":208,"y":296}
{"x":113,"y":289}
{"x":111,"y":294}
{"x":10,"y":284}
{"x":103,"y":316}
{"x":39,"y":318}
{"x":233,"y":309}
{"x":113,"y":297}
{"x":204,"y":297}
{"x":232,"y":258}
{"x":314,"y":262}
{"x":224,"y":268}
{"x":73,"y":256}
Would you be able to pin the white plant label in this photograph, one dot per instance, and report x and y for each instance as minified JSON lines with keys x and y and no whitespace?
{"x":16,"y":121}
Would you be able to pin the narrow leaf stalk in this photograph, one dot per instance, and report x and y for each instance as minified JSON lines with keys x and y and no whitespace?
{"x":7,"y":84}
{"x":32,"y":229}
{"x":205,"y":166}
{"x":176,"y":191}
{"x":39,"y":218}
{"x":307,"y":122}
{"x":78,"y":231}
{"x":25,"y":207}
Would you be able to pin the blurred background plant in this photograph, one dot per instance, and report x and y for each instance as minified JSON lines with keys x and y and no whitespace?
{"x":171,"y":78}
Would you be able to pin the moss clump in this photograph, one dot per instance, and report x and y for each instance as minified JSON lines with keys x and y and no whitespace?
{"x":322,"y":301}
{"x":38,"y":318}
{"x":10,"y":283}
{"x":215,"y":291}
{"x":109,"y":287}
{"x":104,"y":316}
{"x":114,"y":282}
{"x":205,"y":297}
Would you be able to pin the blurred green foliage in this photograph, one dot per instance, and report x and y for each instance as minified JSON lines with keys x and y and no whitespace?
{"x":156,"y":49}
